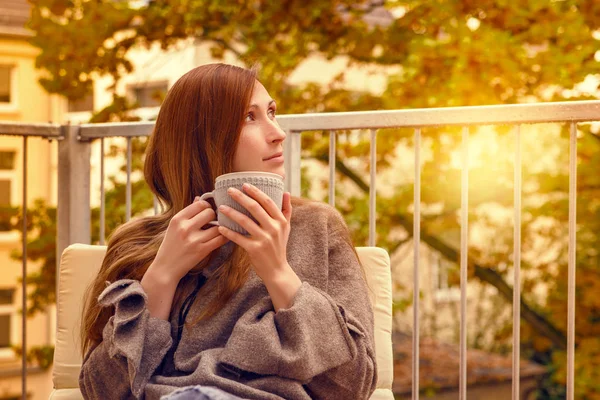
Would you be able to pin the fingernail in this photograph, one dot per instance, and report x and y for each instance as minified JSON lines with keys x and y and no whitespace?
{"x":222,"y":207}
{"x":197,"y":198}
{"x":247,"y":186}
{"x":230,"y":190}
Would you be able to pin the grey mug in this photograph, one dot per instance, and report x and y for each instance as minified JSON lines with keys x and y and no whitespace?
{"x":271,"y":184}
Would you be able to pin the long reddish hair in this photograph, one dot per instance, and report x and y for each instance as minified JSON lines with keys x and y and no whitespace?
{"x":194,"y":141}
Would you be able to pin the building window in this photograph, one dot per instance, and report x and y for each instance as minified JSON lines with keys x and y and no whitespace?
{"x":5,"y":192}
{"x":7,"y":184}
{"x":149,"y":94}
{"x":7,"y":160}
{"x":6,"y":211}
{"x":7,"y":310}
{"x":85,"y":104}
{"x":5,"y":84}
{"x":8,"y":88}
{"x":446,"y":277}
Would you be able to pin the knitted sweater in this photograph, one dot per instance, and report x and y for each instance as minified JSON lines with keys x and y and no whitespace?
{"x":321,"y":347}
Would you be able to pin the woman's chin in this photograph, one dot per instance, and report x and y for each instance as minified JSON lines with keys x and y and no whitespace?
{"x":280,"y":172}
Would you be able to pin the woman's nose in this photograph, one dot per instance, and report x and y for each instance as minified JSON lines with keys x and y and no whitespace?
{"x":276,"y":134}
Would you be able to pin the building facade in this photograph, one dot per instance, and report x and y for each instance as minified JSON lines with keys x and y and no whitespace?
{"x":22,"y":99}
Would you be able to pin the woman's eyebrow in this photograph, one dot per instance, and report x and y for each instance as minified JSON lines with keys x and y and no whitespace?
{"x":256,"y":105}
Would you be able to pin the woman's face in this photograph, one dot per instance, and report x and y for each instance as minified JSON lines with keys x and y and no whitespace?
{"x":260,"y":147}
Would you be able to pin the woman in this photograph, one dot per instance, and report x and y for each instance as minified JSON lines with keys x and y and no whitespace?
{"x":283,"y":313}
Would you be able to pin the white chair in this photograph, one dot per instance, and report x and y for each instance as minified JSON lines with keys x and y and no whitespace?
{"x":80,"y":263}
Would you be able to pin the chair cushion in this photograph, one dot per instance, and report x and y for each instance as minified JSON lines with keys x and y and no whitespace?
{"x":66,"y":394}
{"x":376,"y":262}
{"x":382,"y":394}
{"x":79,"y":264}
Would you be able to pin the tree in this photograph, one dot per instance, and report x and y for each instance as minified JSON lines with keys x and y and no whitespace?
{"x":450,"y":52}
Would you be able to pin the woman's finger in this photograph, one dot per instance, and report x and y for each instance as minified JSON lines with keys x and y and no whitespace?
{"x":202,"y":218}
{"x":193,"y":209}
{"x":261,"y":198}
{"x":215,"y":242}
{"x":287,"y":206}
{"x":241,"y":219}
{"x":235,"y":237}
{"x":250,"y":204}
{"x":204,"y":235}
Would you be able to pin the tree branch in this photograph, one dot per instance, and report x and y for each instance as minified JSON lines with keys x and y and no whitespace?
{"x":494,"y":278}
{"x":597,"y":137}
{"x":340,"y":166}
{"x":483,"y":273}
{"x":399,"y":243}
{"x":227,"y":46}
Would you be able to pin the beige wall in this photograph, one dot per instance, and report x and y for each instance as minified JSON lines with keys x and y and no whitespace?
{"x":31,"y":104}
{"x":39,"y":384}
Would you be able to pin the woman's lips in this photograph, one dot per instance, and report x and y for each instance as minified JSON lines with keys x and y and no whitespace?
{"x":276,"y":159}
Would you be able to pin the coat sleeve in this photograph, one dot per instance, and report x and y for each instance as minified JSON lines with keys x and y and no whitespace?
{"x":324,"y":340}
{"x":132,"y":348}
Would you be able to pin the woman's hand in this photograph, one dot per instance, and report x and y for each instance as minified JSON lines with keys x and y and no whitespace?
{"x":185,"y":244}
{"x":267,"y":241}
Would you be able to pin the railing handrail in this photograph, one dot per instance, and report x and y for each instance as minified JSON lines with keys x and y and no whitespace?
{"x":31,"y":129}
{"x":529,"y":113}
{"x":572,"y":111}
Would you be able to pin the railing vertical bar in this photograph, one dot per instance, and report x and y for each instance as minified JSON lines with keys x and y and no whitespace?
{"x":517,"y":268}
{"x":102,"y":195}
{"x":292,"y":148}
{"x":128,"y":190}
{"x":373,"y":187}
{"x":464,"y":229}
{"x":24,"y":281}
{"x":416,"y":285}
{"x":572,"y":263}
{"x":332,"y":168}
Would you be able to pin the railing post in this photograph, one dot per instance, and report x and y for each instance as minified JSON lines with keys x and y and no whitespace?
{"x":73,"y":214}
{"x":291,"y":151}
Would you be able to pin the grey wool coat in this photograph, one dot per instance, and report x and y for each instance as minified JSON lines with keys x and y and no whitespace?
{"x":321,"y":347}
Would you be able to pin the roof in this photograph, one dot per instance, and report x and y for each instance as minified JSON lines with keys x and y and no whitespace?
{"x":14,"y":14}
{"x":440,"y":362}
{"x":375,"y":13}
{"x":379,"y":16}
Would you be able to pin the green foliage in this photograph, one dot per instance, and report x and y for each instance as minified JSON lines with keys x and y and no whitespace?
{"x":41,"y":249}
{"x":41,"y":356}
{"x":7,"y":216}
{"x":96,"y":35}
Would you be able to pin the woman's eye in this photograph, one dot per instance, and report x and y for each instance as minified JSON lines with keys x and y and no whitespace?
{"x":272,"y":113}
{"x":249,"y":117}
